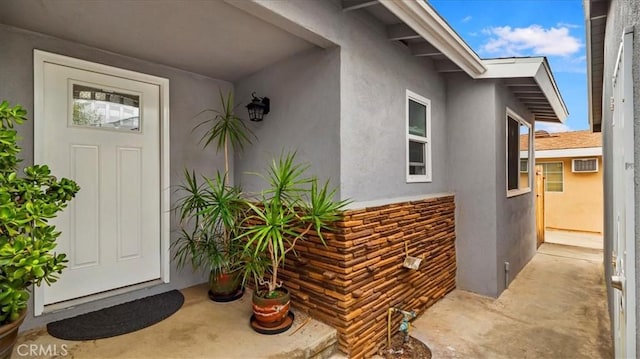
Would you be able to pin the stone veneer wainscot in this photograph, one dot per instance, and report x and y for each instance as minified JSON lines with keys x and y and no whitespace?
{"x":351,"y":282}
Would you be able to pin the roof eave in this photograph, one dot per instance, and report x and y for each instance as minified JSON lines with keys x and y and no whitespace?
{"x":429,"y":25}
{"x":595,"y":10}
{"x":536,"y":68}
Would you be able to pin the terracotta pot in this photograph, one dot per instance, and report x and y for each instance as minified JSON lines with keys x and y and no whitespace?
{"x":225,"y":284}
{"x":8,"y":336}
{"x":271,"y":312}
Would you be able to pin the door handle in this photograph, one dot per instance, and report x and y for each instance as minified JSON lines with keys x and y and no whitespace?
{"x":617,"y":282}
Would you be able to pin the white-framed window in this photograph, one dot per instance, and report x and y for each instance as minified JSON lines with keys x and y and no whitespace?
{"x":418,"y":141}
{"x":553,"y":173}
{"x":519,"y":144}
{"x":584,"y":165}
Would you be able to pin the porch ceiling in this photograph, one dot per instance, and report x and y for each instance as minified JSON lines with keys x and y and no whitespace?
{"x":211,"y":38}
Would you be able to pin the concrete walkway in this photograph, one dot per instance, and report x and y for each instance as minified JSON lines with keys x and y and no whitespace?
{"x":200,"y":329}
{"x":578,"y":239}
{"x":555,"y":308}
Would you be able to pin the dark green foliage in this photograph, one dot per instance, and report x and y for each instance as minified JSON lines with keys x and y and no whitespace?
{"x":27,"y":202}
{"x":292,"y":206}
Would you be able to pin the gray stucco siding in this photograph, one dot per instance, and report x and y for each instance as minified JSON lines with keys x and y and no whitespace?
{"x":516,"y":232}
{"x":189,"y":94}
{"x":374,"y":76}
{"x":305,"y":116}
{"x":472,"y":167}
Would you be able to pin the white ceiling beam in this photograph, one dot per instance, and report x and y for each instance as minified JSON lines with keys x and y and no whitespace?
{"x":423,"y":49}
{"x":446,"y":66}
{"x":401,"y":32}
{"x":349,"y":5}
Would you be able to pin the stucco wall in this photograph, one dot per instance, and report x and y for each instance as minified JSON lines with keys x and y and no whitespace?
{"x":621,"y":14}
{"x":189,"y":94}
{"x":305,"y":116}
{"x":579,"y":206}
{"x":374,"y":76}
{"x":515,"y":216}
{"x":472,"y":169}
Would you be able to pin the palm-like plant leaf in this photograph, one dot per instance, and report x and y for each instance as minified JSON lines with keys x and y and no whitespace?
{"x":292,"y":206}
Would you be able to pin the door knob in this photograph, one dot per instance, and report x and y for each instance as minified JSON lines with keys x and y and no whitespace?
{"x":617,"y":282}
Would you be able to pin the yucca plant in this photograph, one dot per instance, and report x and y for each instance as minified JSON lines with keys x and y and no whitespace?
{"x":210,"y":210}
{"x":27,"y":203}
{"x":225,"y":129}
{"x":209,"y":213}
{"x":293,"y":206}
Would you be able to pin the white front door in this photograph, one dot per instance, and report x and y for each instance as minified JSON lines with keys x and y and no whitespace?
{"x":623,"y":244}
{"x":104,"y":132}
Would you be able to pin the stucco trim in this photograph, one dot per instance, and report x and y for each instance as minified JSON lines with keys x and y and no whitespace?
{"x":570,"y":152}
{"x":385,"y":201}
{"x":430,"y":26}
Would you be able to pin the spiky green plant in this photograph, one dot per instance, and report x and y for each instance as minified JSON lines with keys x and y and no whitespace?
{"x":209,"y":214}
{"x":293,"y":206}
{"x":225,"y":128}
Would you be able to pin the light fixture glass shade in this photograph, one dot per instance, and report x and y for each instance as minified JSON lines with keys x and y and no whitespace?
{"x":258,"y":108}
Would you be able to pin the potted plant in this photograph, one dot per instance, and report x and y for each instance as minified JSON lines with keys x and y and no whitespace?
{"x":291,"y":208}
{"x":210,"y":209}
{"x":27,"y":240}
{"x":210,"y":213}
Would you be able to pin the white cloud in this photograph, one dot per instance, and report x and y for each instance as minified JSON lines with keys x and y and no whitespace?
{"x":566,"y":24}
{"x":467,"y":18}
{"x":552,"y":127}
{"x":506,"y":41}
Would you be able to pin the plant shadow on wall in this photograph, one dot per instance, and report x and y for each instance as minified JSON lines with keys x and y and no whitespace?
{"x":293,"y":208}
{"x":210,"y":210}
{"x":27,"y":240}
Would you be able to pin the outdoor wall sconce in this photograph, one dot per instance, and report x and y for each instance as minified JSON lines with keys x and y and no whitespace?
{"x":258,"y":107}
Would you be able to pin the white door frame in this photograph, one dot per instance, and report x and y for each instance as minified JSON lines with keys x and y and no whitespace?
{"x":39,"y":60}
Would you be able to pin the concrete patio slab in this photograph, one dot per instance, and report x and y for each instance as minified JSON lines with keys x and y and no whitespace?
{"x":578,"y":239}
{"x":200,"y":329}
{"x":555,"y":308}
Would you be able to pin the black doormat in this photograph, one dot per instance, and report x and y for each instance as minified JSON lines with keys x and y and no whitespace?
{"x":118,"y":320}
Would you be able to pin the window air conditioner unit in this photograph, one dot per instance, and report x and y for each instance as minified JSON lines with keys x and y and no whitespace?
{"x":584,"y":165}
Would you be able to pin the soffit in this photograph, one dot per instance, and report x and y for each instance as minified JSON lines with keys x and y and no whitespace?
{"x":206,"y":37}
{"x":419,"y":27}
{"x":530,"y":80}
{"x":437,"y":42}
{"x":596,"y":19}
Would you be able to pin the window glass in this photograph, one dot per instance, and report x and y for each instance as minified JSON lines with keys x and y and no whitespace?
{"x":553,"y":176}
{"x":106,"y":109}
{"x":418,"y":137}
{"x":513,"y":153}
{"x":518,"y":143}
{"x":417,"y":119}
{"x":416,"y":158}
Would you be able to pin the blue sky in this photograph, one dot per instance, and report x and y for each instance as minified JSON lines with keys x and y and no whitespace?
{"x":552,"y":28}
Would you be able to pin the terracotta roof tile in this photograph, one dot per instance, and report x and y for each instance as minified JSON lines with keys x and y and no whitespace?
{"x":563,"y":140}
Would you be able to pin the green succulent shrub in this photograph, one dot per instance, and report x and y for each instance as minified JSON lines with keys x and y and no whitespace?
{"x":27,"y":202}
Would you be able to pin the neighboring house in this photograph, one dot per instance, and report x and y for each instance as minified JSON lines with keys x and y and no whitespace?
{"x":613,"y":48}
{"x":382,"y":98}
{"x":572,"y":168}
